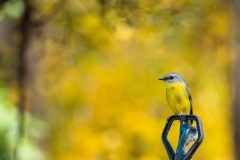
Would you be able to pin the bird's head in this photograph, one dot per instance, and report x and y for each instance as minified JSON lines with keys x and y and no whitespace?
{"x":172,"y":78}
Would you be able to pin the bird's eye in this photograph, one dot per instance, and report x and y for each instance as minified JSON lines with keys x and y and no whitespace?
{"x":171,"y":77}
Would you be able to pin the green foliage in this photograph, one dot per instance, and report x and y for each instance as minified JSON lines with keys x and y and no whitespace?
{"x":5,"y":152}
{"x":13,"y":9}
{"x":26,"y":148}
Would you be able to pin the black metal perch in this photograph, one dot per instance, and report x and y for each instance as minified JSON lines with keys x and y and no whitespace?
{"x":187,"y":134}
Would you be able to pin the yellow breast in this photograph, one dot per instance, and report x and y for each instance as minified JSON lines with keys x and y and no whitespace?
{"x":177,"y":98}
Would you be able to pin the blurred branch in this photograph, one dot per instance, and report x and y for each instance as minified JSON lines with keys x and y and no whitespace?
{"x":235,"y":4}
{"x":26,"y":32}
{"x":25,"y":29}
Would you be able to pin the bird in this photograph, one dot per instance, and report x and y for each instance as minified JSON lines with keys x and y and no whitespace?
{"x":178,"y":94}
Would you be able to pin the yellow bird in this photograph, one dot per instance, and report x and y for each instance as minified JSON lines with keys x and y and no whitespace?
{"x":178,"y":94}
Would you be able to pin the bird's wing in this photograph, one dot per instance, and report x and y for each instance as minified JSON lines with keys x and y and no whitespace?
{"x":190,"y":99}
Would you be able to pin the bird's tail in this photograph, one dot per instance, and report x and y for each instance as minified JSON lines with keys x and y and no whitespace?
{"x":191,"y":121}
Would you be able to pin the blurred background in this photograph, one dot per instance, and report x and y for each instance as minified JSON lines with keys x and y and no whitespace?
{"x":78,"y":78}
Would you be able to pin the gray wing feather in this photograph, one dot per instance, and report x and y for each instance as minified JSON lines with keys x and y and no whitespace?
{"x":190,"y":99}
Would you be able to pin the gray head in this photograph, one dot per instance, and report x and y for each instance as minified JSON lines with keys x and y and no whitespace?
{"x":172,"y":78}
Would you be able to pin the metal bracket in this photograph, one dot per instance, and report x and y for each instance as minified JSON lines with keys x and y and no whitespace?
{"x":184,"y":132}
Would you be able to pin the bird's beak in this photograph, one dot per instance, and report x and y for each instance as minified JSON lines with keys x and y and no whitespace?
{"x":162,"y":79}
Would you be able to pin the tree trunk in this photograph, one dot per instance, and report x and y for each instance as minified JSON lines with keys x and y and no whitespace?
{"x":25,"y":67}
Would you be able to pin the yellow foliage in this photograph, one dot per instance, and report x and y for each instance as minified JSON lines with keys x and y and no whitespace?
{"x":99,"y":77}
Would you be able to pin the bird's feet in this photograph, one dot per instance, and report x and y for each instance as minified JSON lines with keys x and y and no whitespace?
{"x":182,"y":117}
{"x":181,"y":114}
